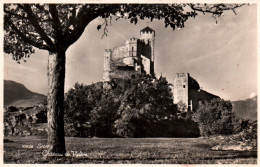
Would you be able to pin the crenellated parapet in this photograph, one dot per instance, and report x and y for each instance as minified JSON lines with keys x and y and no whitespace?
{"x":132,"y":41}
{"x":147,"y":31}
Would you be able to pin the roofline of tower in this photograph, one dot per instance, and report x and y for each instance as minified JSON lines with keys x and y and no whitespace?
{"x":142,"y":31}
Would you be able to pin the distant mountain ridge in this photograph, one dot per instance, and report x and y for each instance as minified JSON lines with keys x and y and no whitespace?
{"x":246,"y":109}
{"x":16,"y":94}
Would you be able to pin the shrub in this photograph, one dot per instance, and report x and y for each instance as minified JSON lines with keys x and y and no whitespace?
{"x":248,"y":134}
{"x":11,"y":109}
{"x":215,"y":117}
{"x":79,"y":102}
{"x":182,"y":107}
{"x":145,"y":101}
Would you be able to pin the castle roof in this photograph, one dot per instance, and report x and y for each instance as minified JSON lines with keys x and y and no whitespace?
{"x":147,"y":29}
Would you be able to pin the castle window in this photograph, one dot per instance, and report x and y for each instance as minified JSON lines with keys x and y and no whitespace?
{"x":132,"y":48}
{"x":183,"y":86}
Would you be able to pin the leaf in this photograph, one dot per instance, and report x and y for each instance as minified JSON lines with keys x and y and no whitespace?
{"x":98,"y":27}
{"x":131,"y":20}
{"x":135,"y":20}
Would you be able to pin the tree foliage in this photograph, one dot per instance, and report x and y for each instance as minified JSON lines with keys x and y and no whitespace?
{"x":132,"y":107}
{"x":54,"y":27}
{"x":215,"y":117}
{"x":147,"y":101}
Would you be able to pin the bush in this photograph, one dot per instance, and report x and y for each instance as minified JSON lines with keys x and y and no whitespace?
{"x":79,"y":102}
{"x":215,"y":117}
{"x":11,"y":109}
{"x":249,"y":133}
{"x":145,"y":101}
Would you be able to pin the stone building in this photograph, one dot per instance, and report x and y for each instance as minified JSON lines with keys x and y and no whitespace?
{"x":136,"y":55}
{"x":180,"y":89}
{"x":187,"y":92}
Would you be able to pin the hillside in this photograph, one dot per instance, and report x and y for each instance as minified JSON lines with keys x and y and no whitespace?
{"x":16,"y":94}
{"x":200,"y":95}
{"x":246,"y":109}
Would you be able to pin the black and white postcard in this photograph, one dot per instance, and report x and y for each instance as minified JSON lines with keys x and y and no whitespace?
{"x":103,"y":82}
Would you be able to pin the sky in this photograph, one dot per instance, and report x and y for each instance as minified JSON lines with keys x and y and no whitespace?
{"x":221,"y":57}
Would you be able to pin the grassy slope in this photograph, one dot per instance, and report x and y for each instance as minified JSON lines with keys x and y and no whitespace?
{"x":129,"y":150}
{"x":16,"y":94}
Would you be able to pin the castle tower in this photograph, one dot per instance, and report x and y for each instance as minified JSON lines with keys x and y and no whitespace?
{"x":131,"y":47}
{"x":132,"y":54}
{"x":180,"y":89}
{"x":148,"y":36}
{"x":107,"y":67}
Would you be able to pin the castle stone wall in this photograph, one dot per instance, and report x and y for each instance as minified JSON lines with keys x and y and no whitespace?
{"x":187,"y":90}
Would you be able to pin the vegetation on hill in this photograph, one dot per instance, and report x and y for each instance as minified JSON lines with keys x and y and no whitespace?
{"x":142,"y":106}
{"x":216,"y":117}
{"x":138,"y":106}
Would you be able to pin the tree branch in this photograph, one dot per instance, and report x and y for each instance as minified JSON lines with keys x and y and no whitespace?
{"x":55,"y":21}
{"x":86,"y":14}
{"x":216,"y":9}
{"x":14,"y":14}
{"x":105,"y":28}
{"x":84,"y":17}
{"x":27,"y":40}
{"x":35,"y":24}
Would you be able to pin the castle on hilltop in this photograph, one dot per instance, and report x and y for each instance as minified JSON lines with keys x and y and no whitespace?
{"x":136,"y":55}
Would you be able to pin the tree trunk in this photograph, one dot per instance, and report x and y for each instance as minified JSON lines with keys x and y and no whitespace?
{"x":56,"y":79}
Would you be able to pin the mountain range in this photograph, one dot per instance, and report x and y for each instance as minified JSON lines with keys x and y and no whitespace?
{"x":246,"y":109}
{"x":16,"y":94}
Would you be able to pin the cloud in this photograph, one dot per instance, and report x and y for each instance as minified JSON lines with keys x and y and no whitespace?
{"x":253,"y":94}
